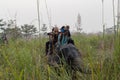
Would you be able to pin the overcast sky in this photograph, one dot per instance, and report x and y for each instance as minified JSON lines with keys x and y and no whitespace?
{"x":62,"y":12}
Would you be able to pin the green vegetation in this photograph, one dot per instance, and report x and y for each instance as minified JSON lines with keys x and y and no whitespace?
{"x":25,"y":59}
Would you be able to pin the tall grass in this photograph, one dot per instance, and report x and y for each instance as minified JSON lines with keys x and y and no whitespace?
{"x":25,"y":60}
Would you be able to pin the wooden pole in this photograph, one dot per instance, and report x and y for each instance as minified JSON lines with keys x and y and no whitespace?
{"x":49,"y":15}
{"x":38,"y":13}
{"x":114,"y":18}
{"x":103,"y":18}
{"x":118,"y":16}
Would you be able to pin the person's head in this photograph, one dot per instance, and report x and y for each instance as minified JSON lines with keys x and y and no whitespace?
{"x":67,"y":27}
{"x":53,"y":29}
{"x":62,"y":29}
{"x":56,"y":30}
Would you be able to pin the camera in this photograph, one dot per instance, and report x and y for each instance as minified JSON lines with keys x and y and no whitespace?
{"x":49,"y":33}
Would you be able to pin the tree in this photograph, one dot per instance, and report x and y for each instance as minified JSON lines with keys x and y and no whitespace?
{"x":2,"y":23}
{"x":44,"y":28}
{"x":78,"y":24}
{"x":3,"y":38}
{"x":28,"y":30}
{"x":118,"y":16}
{"x":10,"y":28}
{"x":11,"y":23}
{"x":13,"y":33}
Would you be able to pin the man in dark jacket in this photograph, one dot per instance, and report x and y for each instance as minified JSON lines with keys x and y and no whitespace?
{"x":70,"y":40}
{"x":53,"y":37}
{"x":68,"y":31}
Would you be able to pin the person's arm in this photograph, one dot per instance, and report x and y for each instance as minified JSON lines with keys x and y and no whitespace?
{"x":59,"y":37}
{"x":69,"y":35}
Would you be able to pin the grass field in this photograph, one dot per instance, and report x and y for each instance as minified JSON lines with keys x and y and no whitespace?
{"x":25,"y":59}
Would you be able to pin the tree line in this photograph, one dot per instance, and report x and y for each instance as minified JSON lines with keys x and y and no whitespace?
{"x":13,"y":31}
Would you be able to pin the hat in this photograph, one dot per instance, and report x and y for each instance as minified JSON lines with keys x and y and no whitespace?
{"x":62,"y":29}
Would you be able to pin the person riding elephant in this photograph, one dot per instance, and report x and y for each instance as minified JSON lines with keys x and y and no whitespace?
{"x":53,"y":38}
{"x":64,"y":50}
{"x":70,"y":40}
{"x":65,"y":37}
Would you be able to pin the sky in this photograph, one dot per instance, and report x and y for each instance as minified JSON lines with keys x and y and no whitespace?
{"x":62,"y":12}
